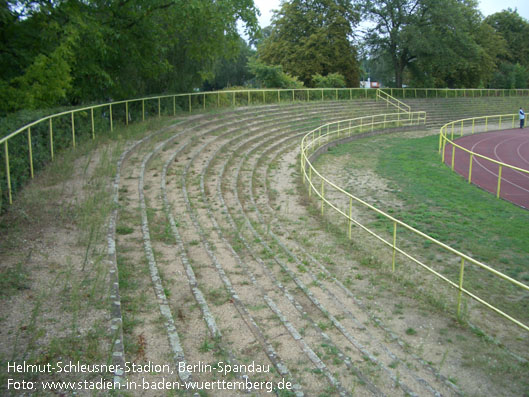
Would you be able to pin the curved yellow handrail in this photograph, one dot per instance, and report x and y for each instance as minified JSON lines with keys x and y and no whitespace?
{"x":320,"y":136}
{"x":474,"y":121}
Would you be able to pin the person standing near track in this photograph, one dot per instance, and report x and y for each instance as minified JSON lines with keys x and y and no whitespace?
{"x":522,"y":117}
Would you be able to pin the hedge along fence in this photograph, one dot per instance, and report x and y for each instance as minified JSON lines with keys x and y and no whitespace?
{"x":28,"y":149}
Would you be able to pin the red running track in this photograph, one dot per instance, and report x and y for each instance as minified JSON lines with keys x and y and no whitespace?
{"x":508,"y":146}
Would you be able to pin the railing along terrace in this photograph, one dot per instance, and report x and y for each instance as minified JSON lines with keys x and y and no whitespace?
{"x":341,"y":202}
{"x":35,"y":144}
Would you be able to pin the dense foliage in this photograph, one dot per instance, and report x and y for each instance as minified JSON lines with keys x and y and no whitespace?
{"x":310,"y":37}
{"x":74,"y":51}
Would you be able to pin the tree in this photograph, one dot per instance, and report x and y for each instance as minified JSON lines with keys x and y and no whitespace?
{"x":435,"y":42}
{"x":75,"y":51}
{"x":312,"y":37}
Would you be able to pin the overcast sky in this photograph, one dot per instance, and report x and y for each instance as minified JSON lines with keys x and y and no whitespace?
{"x":487,"y":7}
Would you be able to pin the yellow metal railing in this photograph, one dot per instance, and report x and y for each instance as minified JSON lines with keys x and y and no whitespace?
{"x":390,"y":100}
{"x":120,"y":111}
{"x":319,"y":185}
{"x":472,"y":126}
{"x":415,"y":93}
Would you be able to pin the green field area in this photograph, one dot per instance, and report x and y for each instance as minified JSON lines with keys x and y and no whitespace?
{"x":440,"y":203}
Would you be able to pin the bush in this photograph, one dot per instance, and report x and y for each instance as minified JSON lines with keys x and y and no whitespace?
{"x":332,"y":80}
{"x":272,"y":76}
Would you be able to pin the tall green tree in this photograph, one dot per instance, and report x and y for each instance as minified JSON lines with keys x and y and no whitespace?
{"x":74,"y":51}
{"x":312,"y":37}
{"x":434,"y":42}
{"x":513,"y":64}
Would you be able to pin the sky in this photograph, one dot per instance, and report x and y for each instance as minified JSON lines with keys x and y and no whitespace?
{"x":487,"y":7}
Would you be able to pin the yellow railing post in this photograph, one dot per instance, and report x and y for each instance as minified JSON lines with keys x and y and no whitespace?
{"x":51,"y":138}
{"x":453,"y":155}
{"x":73,"y":130}
{"x":190,"y":107}
{"x":218,"y":99}
{"x":143,"y":110}
{"x":499,"y":181}
{"x":174,"y":105}
{"x":111,"y":124}
{"x":470,"y":168}
{"x":249,"y":98}
{"x":452,"y":133}
{"x":350,"y":215}
{"x":126,"y":113}
{"x":292,"y":95}
{"x":159,"y":107}
{"x":234,"y":98}
{"x":322,"y":197}
{"x":513,"y":121}
{"x":473,"y":124}
{"x":500,"y":123}
{"x":8,"y":172}
{"x":460,"y":292}
{"x":385,"y":120}
{"x":394,"y":246}
{"x":30,"y":153}
{"x":93,"y":125}
{"x":204,"y":100}
{"x":310,"y":181}
{"x":486,"y":123}
{"x":461,"y":132}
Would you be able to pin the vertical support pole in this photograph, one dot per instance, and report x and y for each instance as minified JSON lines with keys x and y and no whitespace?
{"x":8,"y":172}
{"x":292,"y":95}
{"x":249,"y":97}
{"x":189,"y":97}
{"x":461,"y":131}
{"x":93,"y":125}
{"x":470,"y":168}
{"x":310,"y":181}
{"x":394,"y":246}
{"x":233,"y":98}
{"x":51,"y":138}
{"x":385,"y":121}
{"x":372,"y":123}
{"x":444,"y":149}
{"x":453,"y":155}
{"x":486,"y":123}
{"x":218,"y":99}
{"x":143,"y":110}
{"x":336,"y":94}
{"x":264,"y":97}
{"x":73,"y":130}
{"x":30,"y":153}
{"x":111,"y":124}
{"x":174,"y":105}
{"x":350,"y":215}
{"x":452,"y":133}
{"x":473,"y":124}
{"x":461,"y":271}
{"x":322,"y":94}
{"x":322,"y":197}
{"x":513,"y":121}
{"x":159,"y":107}
{"x":499,"y":182}
{"x":126,"y":112}
{"x":308,"y":95}
{"x":500,"y":123}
